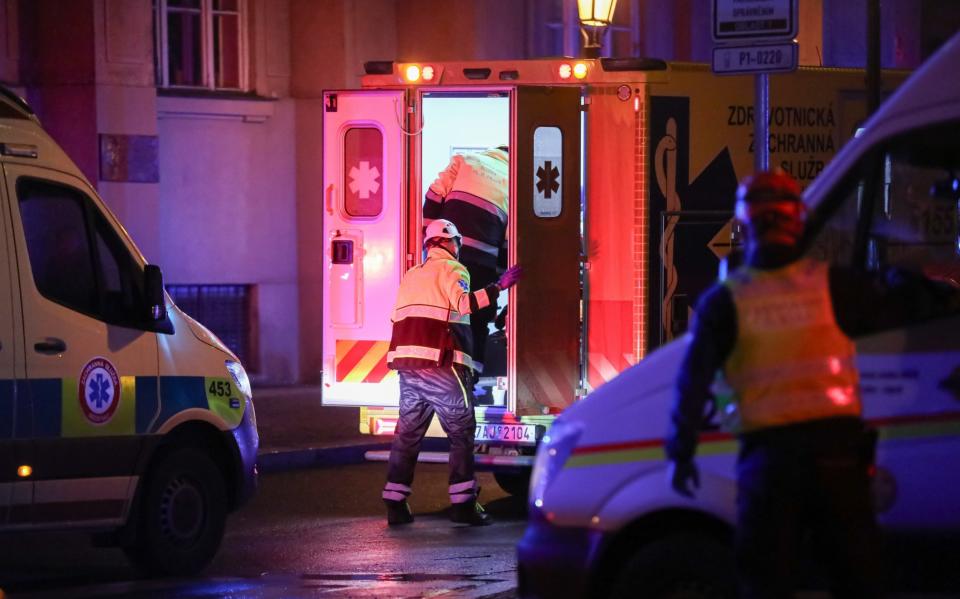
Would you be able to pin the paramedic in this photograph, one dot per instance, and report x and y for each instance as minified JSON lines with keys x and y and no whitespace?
{"x":779,"y":329}
{"x":431,"y":348}
{"x":472,"y":193}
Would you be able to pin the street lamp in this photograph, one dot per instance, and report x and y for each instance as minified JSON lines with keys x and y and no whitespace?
{"x":595,"y":16}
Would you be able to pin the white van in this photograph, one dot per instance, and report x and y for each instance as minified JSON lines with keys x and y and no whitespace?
{"x":604,"y":520}
{"x":119,"y":414}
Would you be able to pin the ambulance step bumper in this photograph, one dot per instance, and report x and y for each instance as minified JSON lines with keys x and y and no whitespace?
{"x":442,"y":457}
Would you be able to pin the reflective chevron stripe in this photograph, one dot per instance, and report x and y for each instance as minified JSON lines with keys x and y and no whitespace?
{"x":360,"y":361}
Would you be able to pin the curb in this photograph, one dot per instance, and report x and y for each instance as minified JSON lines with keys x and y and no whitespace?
{"x":300,"y":458}
{"x":315,"y":457}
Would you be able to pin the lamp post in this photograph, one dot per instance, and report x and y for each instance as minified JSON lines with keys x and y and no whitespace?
{"x":595,"y":16}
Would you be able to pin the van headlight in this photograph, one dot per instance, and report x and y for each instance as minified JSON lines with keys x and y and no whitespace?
{"x":555,"y":448}
{"x":240,"y":378}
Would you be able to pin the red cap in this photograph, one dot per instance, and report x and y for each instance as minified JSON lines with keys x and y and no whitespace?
{"x":765,"y":186}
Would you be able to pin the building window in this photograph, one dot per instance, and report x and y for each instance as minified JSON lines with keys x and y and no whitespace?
{"x":229,"y":311}
{"x":623,"y":35}
{"x":555,"y":28}
{"x":201,"y":44}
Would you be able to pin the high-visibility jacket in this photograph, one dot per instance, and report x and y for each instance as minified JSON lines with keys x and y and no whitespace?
{"x":431,"y":320}
{"x":472,"y":193}
{"x":791,"y":362}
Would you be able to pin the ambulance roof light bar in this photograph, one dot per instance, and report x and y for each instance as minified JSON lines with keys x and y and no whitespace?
{"x":569,"y":71}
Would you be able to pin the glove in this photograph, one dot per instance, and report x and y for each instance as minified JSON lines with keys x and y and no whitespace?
{"x":684,"y":477}
{"x":509,"y":278}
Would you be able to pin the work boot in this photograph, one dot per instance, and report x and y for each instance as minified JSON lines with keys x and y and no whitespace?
{"x":470,"y":512}
{"x":398,"y":512}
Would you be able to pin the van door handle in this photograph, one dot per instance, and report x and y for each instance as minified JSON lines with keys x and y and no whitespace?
{"x":51,"y":345}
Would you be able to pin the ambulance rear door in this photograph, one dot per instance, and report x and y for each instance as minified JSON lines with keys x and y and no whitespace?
{"x":363,"y":259}
{"x":545,"y":232}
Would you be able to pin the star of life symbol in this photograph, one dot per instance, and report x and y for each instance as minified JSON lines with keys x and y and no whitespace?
{"x":547,"y":176}
{"x":364,"y":179}
{"x":98,"y":390}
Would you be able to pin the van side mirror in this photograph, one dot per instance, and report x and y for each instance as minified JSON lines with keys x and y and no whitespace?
{"x":153,"y":286}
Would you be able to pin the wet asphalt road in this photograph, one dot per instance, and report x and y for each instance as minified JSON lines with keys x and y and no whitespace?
{"x":322,"y":533}
{"x":308,"y":533}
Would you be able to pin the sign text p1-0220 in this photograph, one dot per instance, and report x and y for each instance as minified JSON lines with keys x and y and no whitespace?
{"x":766,"y":58}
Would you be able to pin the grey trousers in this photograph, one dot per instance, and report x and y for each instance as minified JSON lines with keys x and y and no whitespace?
{"x":447,"y":393}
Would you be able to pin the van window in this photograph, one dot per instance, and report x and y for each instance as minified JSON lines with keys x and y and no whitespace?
{"x":547,"y":178}
{"x":363,"y":172}
{"x":914,"y":186}
{"x":914,"y":224}
{"x":76,"y":257}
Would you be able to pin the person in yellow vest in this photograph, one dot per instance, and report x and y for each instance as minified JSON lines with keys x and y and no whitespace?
{"x":431,"y":348}
{"x":471,"y":192}
{"x":779,"y":331}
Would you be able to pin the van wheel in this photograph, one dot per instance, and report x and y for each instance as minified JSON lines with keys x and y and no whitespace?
{"x":679,"y":566}
{"x":182,"y":515}
{"x":516,"y":483}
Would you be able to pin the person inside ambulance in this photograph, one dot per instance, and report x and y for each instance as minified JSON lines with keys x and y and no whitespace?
{"x":431,"y":347}
{"x":779,"y":331}
{"x":472,"y":194}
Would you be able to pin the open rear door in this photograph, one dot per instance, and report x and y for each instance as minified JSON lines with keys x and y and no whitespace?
{"x":363,"y":158}
{"x":546,"y":243}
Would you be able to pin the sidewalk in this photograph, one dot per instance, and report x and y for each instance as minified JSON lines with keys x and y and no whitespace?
{"x":297,"y":432}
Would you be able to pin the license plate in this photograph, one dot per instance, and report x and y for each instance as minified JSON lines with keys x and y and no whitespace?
{"x":525,"y":434}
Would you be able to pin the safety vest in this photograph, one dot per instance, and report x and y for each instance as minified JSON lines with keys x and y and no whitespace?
{"x":472,"y":193}
{"x":791,"y":362}
{"x":431,"y":320}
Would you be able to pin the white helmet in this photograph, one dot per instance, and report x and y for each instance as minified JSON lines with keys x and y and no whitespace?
{"x":441,"y":228}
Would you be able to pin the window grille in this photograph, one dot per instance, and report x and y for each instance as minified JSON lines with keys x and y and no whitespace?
{"x":229,"y":311}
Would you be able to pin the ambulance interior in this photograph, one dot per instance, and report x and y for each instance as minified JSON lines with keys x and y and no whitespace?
{"x":460,"y":123}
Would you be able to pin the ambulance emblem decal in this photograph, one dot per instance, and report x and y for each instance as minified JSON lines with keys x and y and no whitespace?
{"x":363,"y":180}
{"x":99,"y":391}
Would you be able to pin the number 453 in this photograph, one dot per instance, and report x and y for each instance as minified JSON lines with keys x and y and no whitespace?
{"x":220,"y":388}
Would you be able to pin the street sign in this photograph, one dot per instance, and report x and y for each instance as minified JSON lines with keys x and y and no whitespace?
{"x":758,"y":20}
{"x":755,"y":58}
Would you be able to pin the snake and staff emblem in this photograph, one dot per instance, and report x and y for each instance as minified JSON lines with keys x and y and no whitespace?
{"x":665,"y":166}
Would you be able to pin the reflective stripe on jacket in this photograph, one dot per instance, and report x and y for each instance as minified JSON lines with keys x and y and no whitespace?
{"x":472,"y":193}
{"x":431,"y":320}
{"x":791,"y":361}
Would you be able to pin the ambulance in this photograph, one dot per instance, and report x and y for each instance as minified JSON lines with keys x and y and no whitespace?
{"x":119,"y":414}
{"x":621,"y":184}
{"x":604,"y":520}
